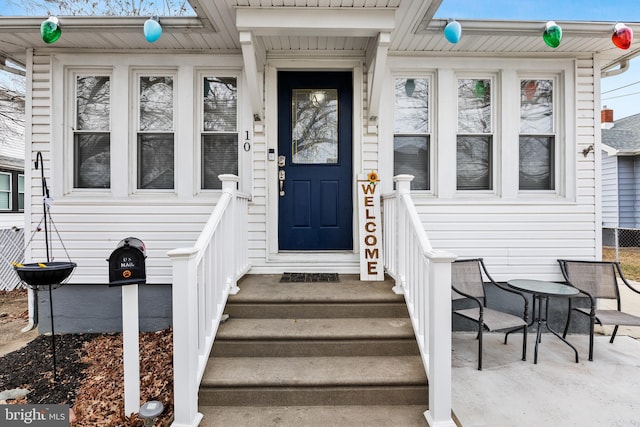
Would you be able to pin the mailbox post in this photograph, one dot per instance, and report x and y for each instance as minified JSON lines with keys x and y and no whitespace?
{"x":127,"y":269}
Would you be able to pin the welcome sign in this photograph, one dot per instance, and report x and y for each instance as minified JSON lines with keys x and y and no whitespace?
{"x":370,"y":227}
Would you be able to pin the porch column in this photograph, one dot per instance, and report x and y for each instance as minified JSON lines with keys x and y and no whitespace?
{"x":185,"y":338}
{"x":403,"y":186}
{"x":439,"y":302}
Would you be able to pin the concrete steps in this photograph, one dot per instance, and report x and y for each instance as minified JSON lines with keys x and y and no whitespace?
{"x":302,"y":352}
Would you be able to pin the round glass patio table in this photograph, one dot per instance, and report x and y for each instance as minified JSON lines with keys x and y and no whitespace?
{"x":541,"y":291}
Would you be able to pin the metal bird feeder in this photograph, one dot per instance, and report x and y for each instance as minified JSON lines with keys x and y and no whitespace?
{"x":49,"y":274}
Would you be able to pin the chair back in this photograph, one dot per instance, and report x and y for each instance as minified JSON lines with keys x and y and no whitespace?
{"x":466,"y":276}
{"x":596,"y":278}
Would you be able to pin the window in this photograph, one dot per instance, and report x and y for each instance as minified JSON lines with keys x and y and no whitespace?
{"x":537,"y":138}
{"x":5,"y":191}
{"x":411,"y":139}
{"x":474,"y":145}
{"x":155,"y":135}
{"x":91,"y":138}
{"x":219,"y":134}
{"x":11,"y":191}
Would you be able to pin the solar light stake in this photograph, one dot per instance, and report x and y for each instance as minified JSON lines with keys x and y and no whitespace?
{"x":149,"y":411}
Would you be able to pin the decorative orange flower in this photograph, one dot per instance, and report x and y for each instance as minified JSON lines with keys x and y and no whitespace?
{"x":373,"y":177}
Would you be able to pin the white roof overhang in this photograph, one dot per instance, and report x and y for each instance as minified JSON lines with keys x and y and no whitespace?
{"x":315,"y":21}
{"x":376,"y":23}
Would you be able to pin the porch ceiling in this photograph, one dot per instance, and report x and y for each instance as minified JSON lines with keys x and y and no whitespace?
{"x":327,"y":26}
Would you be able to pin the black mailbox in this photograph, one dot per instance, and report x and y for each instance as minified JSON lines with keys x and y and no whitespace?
{"x":127,"y":263}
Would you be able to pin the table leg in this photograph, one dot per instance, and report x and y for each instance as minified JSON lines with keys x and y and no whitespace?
{"x":557,"y":334}
{"x":537,"y":318}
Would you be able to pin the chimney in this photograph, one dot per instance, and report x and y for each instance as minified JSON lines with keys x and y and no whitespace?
{"x":606,"y":118}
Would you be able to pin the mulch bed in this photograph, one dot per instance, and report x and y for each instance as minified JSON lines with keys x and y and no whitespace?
{"x":90,"y":375}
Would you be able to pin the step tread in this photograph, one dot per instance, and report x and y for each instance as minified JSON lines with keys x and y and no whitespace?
{"x":268,"y":288}
{"x":313,"y":371}
{"x":321,"y":416}
{"x":315,"y":329}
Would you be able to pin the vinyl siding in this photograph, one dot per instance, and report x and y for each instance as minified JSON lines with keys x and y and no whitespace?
{"x":91,"y":226}
{"x":609,"y":190}
{"x":523,"y":238}
{"x":518,"y":236}
{"x":626,"y":192}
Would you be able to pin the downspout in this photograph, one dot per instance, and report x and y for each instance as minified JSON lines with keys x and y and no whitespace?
{"x":28,"y":120}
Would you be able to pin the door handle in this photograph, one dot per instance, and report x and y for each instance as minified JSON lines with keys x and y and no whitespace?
{"x":281,"y":175}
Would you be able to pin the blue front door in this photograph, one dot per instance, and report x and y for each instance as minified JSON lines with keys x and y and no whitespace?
{"x":314,"y":160}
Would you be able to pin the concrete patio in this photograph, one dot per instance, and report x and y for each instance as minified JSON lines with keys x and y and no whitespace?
{"x":509,"y":392}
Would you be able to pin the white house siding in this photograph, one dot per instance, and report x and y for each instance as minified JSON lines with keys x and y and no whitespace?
{"x":521,"y":236}
{"x":10,"y":220}
{"x":90,"y":226}
{"x":609,"y":190}
{"x":626,"y":192}
{"x":518,"y":236}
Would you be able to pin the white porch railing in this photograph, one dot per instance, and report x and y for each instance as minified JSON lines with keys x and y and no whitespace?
{"x":203,"y":277}
{"x":423,"y":275}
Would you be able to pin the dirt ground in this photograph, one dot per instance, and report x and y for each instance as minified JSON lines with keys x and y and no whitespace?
{"x":14,"y":316}
{"x":90,"y":377}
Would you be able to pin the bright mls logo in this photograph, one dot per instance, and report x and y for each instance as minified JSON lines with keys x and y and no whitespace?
{"x":34,"y":415}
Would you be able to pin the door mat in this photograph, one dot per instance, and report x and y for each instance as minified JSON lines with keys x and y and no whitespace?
{"x":309,"y":277}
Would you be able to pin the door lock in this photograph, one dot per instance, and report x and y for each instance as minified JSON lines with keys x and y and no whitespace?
{"x":281,"y":175}
{"x":281,"y":161}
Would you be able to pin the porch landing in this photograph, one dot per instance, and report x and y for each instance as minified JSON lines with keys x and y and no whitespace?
{"x":556,"y":391}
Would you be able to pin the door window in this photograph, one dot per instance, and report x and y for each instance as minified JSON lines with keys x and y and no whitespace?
{"x":314,"y":126}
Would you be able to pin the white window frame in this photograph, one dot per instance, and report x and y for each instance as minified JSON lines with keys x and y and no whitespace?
{"x":495,"y":134}
{"x":430,"y":134}
{"x":71,"y":76}
{"x":199,"y":125}
{"x":557,"y":132}
{"x":134,"y":83}
{"x":24,"y":186}
{"x":507,"y":72}
{"x":9,"y":191}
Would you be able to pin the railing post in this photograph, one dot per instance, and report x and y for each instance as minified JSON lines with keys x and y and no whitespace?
{"x":403,"y":186}
{"x":185,"y":338}
{"x":439,"y":300}
{"x":230,"y":185}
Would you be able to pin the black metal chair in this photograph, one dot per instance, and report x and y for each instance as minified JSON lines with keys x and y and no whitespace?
{"x":467,"y":281}
{"x":597,"y":280}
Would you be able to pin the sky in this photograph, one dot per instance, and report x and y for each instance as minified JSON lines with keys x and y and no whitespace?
{"x":620,"y":93}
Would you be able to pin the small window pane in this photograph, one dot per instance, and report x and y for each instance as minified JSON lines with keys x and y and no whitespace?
{"x":93,"y":103}
{"x":474,"y":163}
{"x":156,"y":103}
{"x":219,"y":156}
{"x":411,"y":108}
{"x":536,"y":106}
{"x":155,"y":161}
{"x":92,"y":160}
{"x":411,"y":156}
{"x":5,"y":191}
{"x":314,"y":126}
{"x":536,"y":163}
{"x":21,"y":192}
{"x":220,"y":104}
{"x":5,"y":182}
{"x":474,"y":106}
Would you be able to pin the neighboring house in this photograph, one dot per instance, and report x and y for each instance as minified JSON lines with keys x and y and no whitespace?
{"x":620,"y":171}
{"x":11,"y":159}
{"x":134,"y":134}
{"x":11,"y":185}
